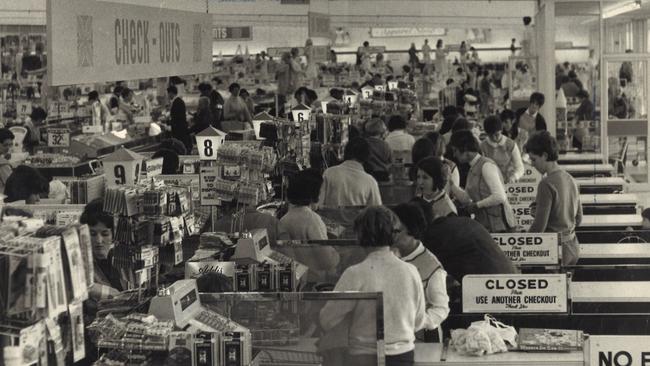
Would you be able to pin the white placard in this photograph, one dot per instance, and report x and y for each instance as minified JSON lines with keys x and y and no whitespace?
{"x":208,"y":146}
{"x":153,"y":167}
{"x":197,"y":269}
{"x":209,"y":175}
{"x":122,"y":172}
{"x":23,"y":108}
{"x":523,"y":216}
{"x":529,"y":248}
{"x":97,"y":41}
{"x":406,"y":32}
{"x":531,"y":175}
{"x":380,"y":88}
{"x":367,"y":92}
{"x":300,"y":116}
{"x":521,"y":193}
{"x":619,"y":350}
{"x":58,"y":137}
{"x":516,"y":293}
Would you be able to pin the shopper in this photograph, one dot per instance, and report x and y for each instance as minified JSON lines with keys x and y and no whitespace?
{"x":178,"y":118}
{"x":401,"y":288}
{"x":114,"y":100}
{"x":502,"y":150}
{"x":439,"y":148}
{"x":235,"y":108}
{"x":107,"y":280}
{"x":380,"y":157}
{"x":203,"y":118}
{"x":408,"y":246}
{"x":484,"y":194}
{"x":558,"y":207}
{"x":216,"y":103}
{"x":645,"y":216}
{"x":432,"y":171}
{"x":347,"y":184}
{"x":300,"y":222}
{"x":422,"y":148}
{"x":246,"y":97}
{"x":170,"y":160}
{"x":25,"y":184}
{"x":441,"y":59}
{"x":398,"y":139}
{"x":462,"y":245}
{"x":98,"y":110}
{"x":6,"y":143}
{"x":528,"y":120}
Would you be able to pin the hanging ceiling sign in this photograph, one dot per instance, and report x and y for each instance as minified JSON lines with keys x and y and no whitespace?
{"x":98,"y":41}
{"x":406,"y":32}
{"x":294,"y":2}
{"x":232,"y":33}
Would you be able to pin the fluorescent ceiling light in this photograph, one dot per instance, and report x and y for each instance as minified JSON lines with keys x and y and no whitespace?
{"x":620,"y":9}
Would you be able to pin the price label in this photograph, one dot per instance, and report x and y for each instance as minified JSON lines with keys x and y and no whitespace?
{"x":58,"y":137}
{"x":619,"y":350}
{"x":529,"y":248}
{"x":523,"y":293}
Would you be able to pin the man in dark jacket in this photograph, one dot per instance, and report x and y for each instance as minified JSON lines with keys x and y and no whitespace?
{"x":178,"y":118}
{"x":530,"y":116}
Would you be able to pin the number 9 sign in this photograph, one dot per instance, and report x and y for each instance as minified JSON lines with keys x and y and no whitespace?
{"x":122,"y":168}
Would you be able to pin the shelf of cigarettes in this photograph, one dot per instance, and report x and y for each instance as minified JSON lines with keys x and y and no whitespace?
{"x":138,"y":332}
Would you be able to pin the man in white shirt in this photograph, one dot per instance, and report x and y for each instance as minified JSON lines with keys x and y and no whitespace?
{"x":347,"y":184}
{"x":398,"y":139}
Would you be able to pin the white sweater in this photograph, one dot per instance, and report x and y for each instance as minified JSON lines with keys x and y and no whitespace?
{"x":404,"y":305}
{"x":347,"y":184}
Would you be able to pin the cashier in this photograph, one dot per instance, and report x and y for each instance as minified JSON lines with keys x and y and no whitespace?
{"x":502,"y":150}
{"x":411,"y":250}
{"x":6,"y":142}
{"x":432,"y":185}
{"x":528,"y":120}
{"x":107,"y":283}
{"x":558,"y":207}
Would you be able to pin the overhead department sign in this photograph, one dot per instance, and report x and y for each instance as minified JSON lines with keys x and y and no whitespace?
{"x":96,"y":41}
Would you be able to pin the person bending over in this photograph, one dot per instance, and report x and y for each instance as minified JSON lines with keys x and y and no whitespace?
{"x":25,"y":184}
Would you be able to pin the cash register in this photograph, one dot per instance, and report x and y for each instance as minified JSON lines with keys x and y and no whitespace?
{"x":254,"y":248}
{"x":217,"y":339}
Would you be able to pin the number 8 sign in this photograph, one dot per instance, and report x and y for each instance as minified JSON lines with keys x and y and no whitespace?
{"x":208,"y":142}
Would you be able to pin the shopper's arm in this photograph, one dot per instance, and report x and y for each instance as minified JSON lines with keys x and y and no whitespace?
{"x":497,"y":191}
{"x":518,"y":164}
{"x":543,"y":201}
{"x":437,"y":299}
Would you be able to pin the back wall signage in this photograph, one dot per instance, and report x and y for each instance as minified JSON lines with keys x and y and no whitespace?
{"x":232,"y":33}
{"x":97,"y":41}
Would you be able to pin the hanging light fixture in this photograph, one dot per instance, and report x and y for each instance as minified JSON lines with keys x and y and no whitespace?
{"x":621,"y":9}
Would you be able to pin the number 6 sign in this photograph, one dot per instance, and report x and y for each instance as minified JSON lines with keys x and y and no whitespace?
{"x":122,"y":167}
{"x":208,"y":142}
{"x":300,"y":114}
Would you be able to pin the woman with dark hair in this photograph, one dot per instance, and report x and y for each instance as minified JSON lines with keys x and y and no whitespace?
{"x":398,"y":139}
{"x":300,"y":222}
{"x":401,"y":287}
{"x":107,"y":279}
{"x":203,"y":117}
{"x":422,"y":148}
{"x":432,"y":185}
{"x":25,"y":184}
{"x":502,"y":150}
{"x":235,"y":108}
{"x":170,"y":160}
{"x":558,"y":208}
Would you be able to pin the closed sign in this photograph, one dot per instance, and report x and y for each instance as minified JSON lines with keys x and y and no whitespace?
{"x":619,"y":351}
{"x":531,"y":175}
{"x":529,"y":248}
{"x":523,"y":216}
{"x":521,"y":193}
{"x":523,"y":293}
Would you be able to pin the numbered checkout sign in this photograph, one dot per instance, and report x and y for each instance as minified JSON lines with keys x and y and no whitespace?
{"x":367,"y":92}
{"x":300,"y":114}
{"x":122,"y":167}
{"x":58,"y":137}
{"x":350,"y":99}
{"x":208,"y":142}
